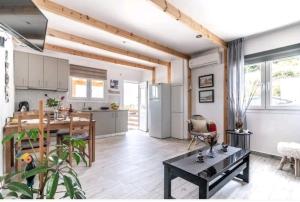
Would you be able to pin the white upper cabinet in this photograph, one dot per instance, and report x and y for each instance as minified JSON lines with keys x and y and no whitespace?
{"x":50,"y":73}
{"x":36,"y":71}
{"x":63,"y":72}
{"x":21,"y":70}
{"x":40,"y":72}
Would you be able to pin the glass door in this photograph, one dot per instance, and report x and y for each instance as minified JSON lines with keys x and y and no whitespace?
{"x":143,"y":106}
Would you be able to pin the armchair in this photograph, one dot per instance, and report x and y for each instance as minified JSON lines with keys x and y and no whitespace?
{"x":202,"y":129}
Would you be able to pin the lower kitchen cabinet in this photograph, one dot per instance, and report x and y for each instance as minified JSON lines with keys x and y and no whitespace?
{"x":110,"y":122}
{"x":121,"y":121}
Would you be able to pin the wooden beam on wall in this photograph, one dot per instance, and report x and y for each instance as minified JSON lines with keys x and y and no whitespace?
{"x":154,"y":76}
{"x":188,"y":21}
{"x":70,"y":37}
{"x":169,"y":72}
{"x":85,"y":19}
{"x":97,"y":57}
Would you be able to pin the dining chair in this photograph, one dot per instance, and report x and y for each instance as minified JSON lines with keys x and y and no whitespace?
{"x":81,"y":129}
{"x":26,"y":122}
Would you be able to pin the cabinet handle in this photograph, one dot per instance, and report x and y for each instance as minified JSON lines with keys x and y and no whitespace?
{"x":23,"y":81}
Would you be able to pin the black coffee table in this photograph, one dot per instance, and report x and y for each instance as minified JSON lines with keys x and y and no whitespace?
{"x":211,"y":175}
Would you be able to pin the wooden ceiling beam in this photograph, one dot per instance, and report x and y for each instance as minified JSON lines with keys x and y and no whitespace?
{"x":188,"y":21}
{"x":85,"y":19}
{"x":96,"y":57}
{"x":70,"y":37}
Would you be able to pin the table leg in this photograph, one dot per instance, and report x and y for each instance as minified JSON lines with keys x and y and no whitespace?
{"x":245,"y":175}
{"x":167,"y":183}
{"x":93,"y":142}
{"x":203,"y":191}
{"x":9,"y":155}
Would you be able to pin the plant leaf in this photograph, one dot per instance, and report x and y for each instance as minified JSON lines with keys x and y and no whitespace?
{"x":79,"y":195}
{"x":76,"y":156}
{"x":52,"y":186}
{"x":20,"y":188}
{"x":74,"y":175}
{"x":12,"y":194}
{"x":8,"y":138}
{"x":69,"y":186}
{"x":35,"y":171}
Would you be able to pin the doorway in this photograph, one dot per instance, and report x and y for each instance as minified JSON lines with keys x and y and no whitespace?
{"x":135,"y":99}
{"x":131,"y":103}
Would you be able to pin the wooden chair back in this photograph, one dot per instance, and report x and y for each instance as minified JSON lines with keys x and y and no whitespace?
{"x":30,"y":120}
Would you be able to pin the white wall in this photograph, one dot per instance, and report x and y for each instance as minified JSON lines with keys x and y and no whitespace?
{"x":212,"y":111}
{"x":271,"y":127}
{"x":113,"y":72}
{"x":7,"y":109}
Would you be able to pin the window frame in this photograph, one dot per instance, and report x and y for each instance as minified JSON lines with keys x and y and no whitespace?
{"x":266,"y":87}
{"x":262,"y":87}
{"x":89,"y":97}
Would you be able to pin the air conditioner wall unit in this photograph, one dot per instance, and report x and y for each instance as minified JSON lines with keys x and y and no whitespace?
{"x":204,"y":60}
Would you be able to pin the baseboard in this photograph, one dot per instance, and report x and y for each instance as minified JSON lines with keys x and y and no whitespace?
{"x":266,"y":155}
{"x":109,"y":135}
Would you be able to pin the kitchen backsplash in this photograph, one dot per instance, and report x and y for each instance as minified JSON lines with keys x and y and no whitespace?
{"x":33,"y":97}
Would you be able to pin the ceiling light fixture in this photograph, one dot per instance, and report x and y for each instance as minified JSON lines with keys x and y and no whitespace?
{"x":198,"y":36}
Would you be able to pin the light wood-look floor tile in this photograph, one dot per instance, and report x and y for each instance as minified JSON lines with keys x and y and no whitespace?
{"x":130,"y":167}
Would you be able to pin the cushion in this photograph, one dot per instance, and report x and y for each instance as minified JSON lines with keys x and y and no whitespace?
{"x":199,"y":126}
{"x":211,"y":126}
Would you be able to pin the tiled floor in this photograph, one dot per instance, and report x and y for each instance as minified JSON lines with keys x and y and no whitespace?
{"x":131,"y":167}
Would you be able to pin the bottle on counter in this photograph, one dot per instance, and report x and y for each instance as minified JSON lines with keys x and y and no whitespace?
{"x":70,"y":109}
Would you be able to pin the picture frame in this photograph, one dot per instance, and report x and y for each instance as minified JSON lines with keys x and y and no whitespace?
{"x":206,"y":81}
{"x":206,"y":96}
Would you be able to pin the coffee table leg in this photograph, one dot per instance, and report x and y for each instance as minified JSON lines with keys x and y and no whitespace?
{"x":245,"y":175}
{"x":167,"y":183}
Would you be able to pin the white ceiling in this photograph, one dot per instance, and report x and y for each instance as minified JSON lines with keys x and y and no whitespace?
{"x":228,"y":19}
{"x":232,"y":19}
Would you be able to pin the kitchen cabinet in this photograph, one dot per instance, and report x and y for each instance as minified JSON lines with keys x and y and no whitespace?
{"x":21,"y":70}
{"x":121,"y":121}
{"x":110,"y":122}
{"x":63,"y":72}
{"x":105,"y":122}
{"x":50,"y":73}
{"x":40,"y":72}
{"x":35,"y":71}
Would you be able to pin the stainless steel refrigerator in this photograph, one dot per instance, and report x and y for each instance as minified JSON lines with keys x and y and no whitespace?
{"x":160,"y":110}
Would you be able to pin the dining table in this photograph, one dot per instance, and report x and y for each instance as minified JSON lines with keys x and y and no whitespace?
{"x":58,"y":124}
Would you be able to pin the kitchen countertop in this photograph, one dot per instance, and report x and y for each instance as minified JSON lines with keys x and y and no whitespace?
{"x":99,"y":110}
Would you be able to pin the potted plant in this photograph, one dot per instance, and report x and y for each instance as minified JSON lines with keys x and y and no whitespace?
{"x":57,"y":179}
{"x":54,"y":104}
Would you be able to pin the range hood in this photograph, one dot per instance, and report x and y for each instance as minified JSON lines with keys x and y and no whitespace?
{"x":23,"y":20}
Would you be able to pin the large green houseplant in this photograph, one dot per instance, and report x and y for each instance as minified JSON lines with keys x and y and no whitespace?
{"x":58,"y":179}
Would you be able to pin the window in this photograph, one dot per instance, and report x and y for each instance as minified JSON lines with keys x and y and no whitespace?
{"x":279,"y":79}
{"x":285,"y":78}
{"x":253,"y":80}
{"x":88,"y":89}
{"x":79,"y":87}
{"x":97,"y":88}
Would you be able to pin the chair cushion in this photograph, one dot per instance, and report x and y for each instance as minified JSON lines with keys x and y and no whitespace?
{"x":84,"y":136}
{"x":26,"y":145}
{"x":199,"y":126}
{"x":63,"y":132}
{"x":211,"y":126}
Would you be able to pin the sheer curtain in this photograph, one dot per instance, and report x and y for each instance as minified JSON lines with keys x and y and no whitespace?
{"x":235,"y":82}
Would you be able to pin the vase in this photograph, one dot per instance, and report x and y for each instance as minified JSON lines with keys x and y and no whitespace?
{"x":239,"y":126}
